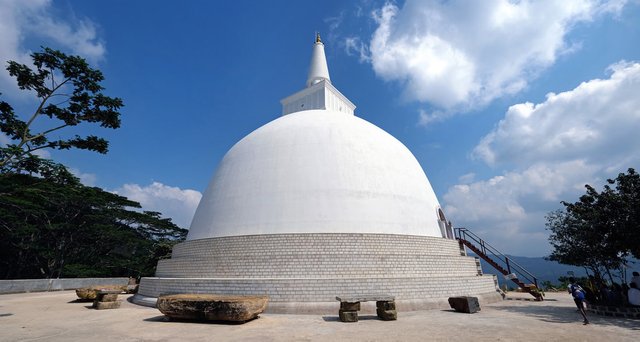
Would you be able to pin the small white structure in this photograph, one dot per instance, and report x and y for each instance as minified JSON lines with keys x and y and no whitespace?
{"x":319,"y":203}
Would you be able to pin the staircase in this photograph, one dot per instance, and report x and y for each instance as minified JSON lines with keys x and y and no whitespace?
{"x":509,"y":268}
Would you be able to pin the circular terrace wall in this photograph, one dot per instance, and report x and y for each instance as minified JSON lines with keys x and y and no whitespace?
{"x":303,"y":273}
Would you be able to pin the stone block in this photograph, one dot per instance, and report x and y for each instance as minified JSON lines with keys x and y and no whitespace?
{"x":465,"y":304}
{"x":208,"y":307}
{"x":387,"y":315}
{"x":106,"y":305}
{"x":348,"y":316}
{"x":345,"y":306}
{"x":385,"y":305}
{"x":108,"y":297}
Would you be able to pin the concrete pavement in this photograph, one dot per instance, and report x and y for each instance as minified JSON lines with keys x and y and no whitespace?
{"x":55,"y":316}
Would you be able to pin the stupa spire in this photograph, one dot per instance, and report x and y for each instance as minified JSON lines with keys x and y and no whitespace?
{"x":319,"y":93}
{"x":318,"y":70}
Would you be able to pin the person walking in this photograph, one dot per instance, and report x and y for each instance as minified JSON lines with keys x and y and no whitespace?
{"x":578,"y":297}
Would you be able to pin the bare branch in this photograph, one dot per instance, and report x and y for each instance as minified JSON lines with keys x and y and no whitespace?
{"x":59,"y":103}
{"x":43,"y":133}
{"x":53,"y":95}
{"x":39,"y":109}
{"x":36,"y":148}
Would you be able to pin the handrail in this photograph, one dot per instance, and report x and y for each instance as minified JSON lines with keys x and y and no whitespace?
{"x":466,"y":234}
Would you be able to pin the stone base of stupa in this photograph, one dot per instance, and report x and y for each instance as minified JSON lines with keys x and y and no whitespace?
{"x":303,"y":273}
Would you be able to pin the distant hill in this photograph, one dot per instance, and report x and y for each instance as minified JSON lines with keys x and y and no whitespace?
{"x":542,"y":269}
{"x":545,"y":270}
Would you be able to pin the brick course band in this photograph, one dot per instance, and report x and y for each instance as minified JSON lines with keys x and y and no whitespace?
{"x":302,"y":273}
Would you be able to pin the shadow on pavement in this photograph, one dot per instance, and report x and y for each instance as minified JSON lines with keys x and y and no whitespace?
{"x":165,"y":319}
{"x":80,"y":301}
{"x":360,"y":318}
{"x":161,"y":318}
{"x":554,"y":314}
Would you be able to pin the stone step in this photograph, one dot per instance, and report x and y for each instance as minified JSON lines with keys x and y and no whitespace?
{"x":302,"y":243}
{"x":317,"y":265}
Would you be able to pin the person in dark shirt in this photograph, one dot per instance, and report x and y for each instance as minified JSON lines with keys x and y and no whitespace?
{"x":578,"y":297}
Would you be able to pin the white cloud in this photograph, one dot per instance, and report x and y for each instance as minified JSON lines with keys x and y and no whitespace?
{"x":334,"y":24}
{"x":178,"y":204}
{"x":355,"y":47}
{"x":425,"y":118}
{"x":597,"y":121}
{"x":88,"y":179}
{"x":44,"y":154}
{"x":455,"y":54}
{"x":508,"y":197}
{"x":509,"y":210}
{"x":20,"y":20}
{"x":577,"y":137}
{"x":467,"y":178}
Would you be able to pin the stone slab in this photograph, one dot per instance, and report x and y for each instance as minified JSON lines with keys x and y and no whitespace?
{"x":90,"y":293}
{"x":209,"y":307}
{"x":366,"y":298}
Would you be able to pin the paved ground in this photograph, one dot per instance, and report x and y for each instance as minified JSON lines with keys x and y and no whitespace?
{"x":55,"y":316}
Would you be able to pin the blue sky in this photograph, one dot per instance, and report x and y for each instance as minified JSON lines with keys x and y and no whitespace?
{"x":510,"y":107}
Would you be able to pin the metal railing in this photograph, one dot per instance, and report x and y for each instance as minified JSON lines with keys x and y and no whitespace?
{"x":496,"y":256}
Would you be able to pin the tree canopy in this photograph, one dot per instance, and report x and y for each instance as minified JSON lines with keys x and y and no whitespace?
{"x":58,"y":227}
{"x":51,"y":225}
{"x":69,"y":93}
{"x":602,"y":229}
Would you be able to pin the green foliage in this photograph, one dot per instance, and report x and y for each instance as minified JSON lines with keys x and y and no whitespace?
{"x":50,"y":224}
{"x":69,"y":93}
{"x":548,"y":285}
{"x":601,"y":230}
{"x":50,"y":227}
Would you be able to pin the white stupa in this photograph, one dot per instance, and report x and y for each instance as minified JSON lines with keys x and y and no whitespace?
{"x":319,"y":203}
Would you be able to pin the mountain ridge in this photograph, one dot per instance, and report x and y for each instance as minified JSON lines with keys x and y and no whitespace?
{"x":542,"y":269}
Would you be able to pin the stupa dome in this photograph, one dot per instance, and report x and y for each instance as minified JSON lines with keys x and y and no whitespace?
{"x":317,"y":171}
{"x":319,"y":203}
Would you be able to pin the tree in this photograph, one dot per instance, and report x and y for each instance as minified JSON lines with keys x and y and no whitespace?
{"x":626,"y":193}
{"x":69,"y":93}
{"x":601,"y":230}
{"x":50,"y":224}
{"x":50,"y":227}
